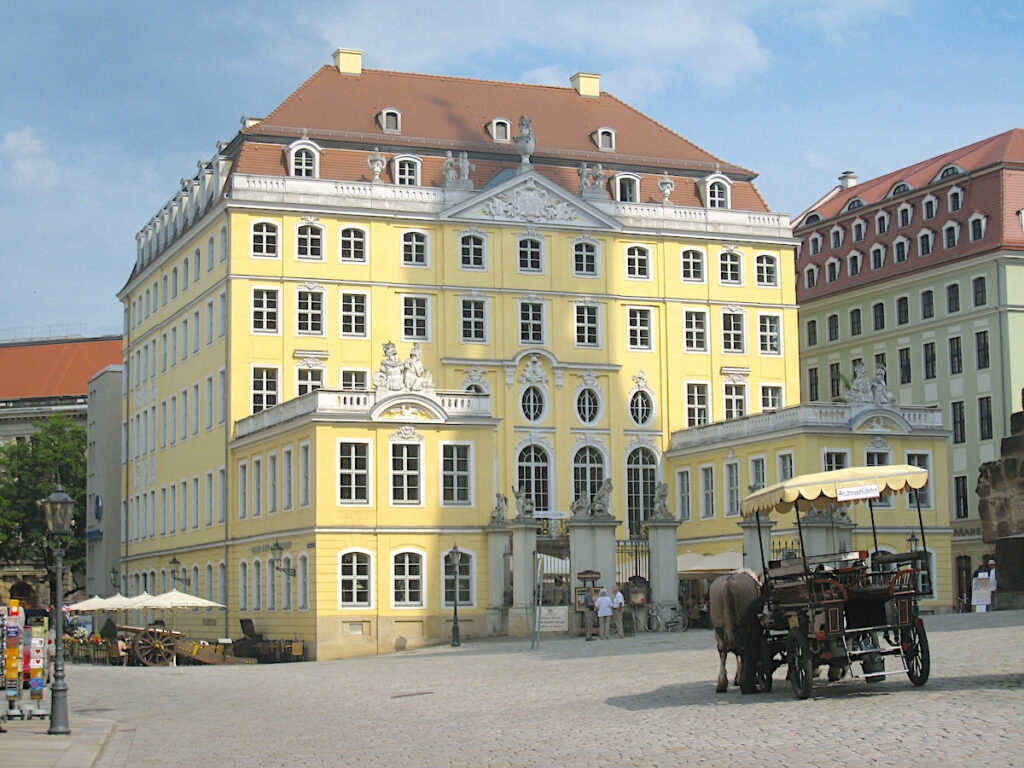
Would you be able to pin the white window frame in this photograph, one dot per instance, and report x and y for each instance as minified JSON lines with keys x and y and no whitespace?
{"x":470,"y":473}
{"x":493,"y":132}
{"x":863,"y":230}
{"x":959,"y":192}
{"x":928,"y":503}
{"x":685,"y":514}
{"x":287,"y":478}
{"x":882,"y":222}
{"x":252,"y":391}
{"x":602,"y":133}
{"x":370,"y":578}
{"x":483,"y":303}
{"x":641,"y":311}
{"x":703,"y":491}
{"x":543,"y":322}
{"x":293,"y":150}
{"x":970,"y":226}
{"x":395,"y":605}
{"x":400,"y":165}
{"x":299,"y":384}
{"x":899,"y":215}
{"x":421,"y":473}
{"x":735,"y":400}
{"x":484,"y":250}
{"x":742,"y":350}
{"x":542,"y":255}
{"x":761,"y":336}
{"x":471,"y":603}
{"x":366,"y":244}
{"x":736,"y":259}
{"x":810,"y":276}
{"x":637,"y":260}
{"x":426,"y":249}
{"x":733,"y":494}
{"x":276,"y":254}
{"x":766,"y":269}
{"x":426,"y":337}
{"x":782,"y":396}
{"x":341,"y":314}
{"x":955,"y":227}
{"x":621,"y":184}
{"x":596,"y":245}
{"x":881,"y":261}
{"x":926,"y":233}
{"x":779,"y":457}
{"x":901,"y":240}
{"x":693,"y":406}
{"x":598,"y":325}
{"x":316,"y":231}
{"x":253,"y":309}
{"x":311,"y":312}
{"x":684,"y":261}
{"x":924,"y":207}
{"x":835,"y":236}
{"x":705,"y":331}
{"x":833,"y":269}
{"x":852,"y":258}
{"x":382,"y":119}
{"x":306,"y":482}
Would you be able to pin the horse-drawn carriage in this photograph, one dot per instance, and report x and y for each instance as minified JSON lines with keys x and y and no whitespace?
{"x":837,"y":610}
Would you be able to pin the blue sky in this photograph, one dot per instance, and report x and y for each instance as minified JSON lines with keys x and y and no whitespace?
{"x":108,"y":104}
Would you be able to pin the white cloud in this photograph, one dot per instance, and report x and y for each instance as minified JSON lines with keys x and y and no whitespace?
{"x":837,"y":19}
{"x":27,"y":160}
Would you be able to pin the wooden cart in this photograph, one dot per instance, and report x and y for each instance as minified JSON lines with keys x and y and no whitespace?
{"x":155,"y":646}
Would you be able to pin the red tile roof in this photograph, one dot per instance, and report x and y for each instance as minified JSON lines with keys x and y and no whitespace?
{"x":1005,"y":147}
{"x":458,"y":109}
{"x":54,"y":368}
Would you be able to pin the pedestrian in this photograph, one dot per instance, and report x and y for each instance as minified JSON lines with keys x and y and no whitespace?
{"x":604,"y":612}
{"x":618,"y":610}
{"x":588,"y":612}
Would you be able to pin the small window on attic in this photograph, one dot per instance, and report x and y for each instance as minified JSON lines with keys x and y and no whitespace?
{"x":390,"y":120}
{"x":604,"y":138}
{"x":500,"y":130}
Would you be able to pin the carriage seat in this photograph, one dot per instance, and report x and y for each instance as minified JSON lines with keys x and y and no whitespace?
{"x":886,"y":558}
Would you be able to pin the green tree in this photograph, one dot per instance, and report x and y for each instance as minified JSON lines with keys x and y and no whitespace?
{"x":29,"y":471}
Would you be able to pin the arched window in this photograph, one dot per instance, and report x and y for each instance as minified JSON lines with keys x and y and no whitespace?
{"x":584,"y":254}
{"x":500,"y":130}
{"x":471,"y":249}
{"x":641,"y":477}
{"x":533,"y":472}
{"x":390,"y":120}
{"x":692,"y":266}
{"x":627,"y":188}
{"x":222,"y":584}
{"x":588,"y":405}
{"x":641,"y":407}
{"x":257,"y":585}
{"x":264,"y":242}
{"x":272,"y":585}
{"x":531,"y":254}
{"x":587,"y":472}
{"x":352,"y":245}
{"x":304,"y":163}
{"x":407,"y":171}
{"x":243,"y":586}
{"x":209,"y":582}
{"x":310,"y":242}
{"x":767,"y":270}
{"x":533,"y":403}
{"x":303,"y":577}
{"x":458,"y":583}
{"x":730,"y":268}
{"x":638,"y":263}
{"x":414,"y":249}
{"x":718,"y":195}
{"x":407,"y":584}
{"x":354,"y":580}
{"x":286,"y":596}
{"x":605,"y":139}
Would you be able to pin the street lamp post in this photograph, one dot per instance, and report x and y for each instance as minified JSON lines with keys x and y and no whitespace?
{"x":455,"y":555}
{"x":175,"y":578}
{"x":912,"y":541}
{"x":59,"y":509}
{"x":114,"y":576}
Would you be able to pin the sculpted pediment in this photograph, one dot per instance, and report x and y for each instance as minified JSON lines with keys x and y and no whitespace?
{"x":531,"y":199}
{"x":880,"y":421}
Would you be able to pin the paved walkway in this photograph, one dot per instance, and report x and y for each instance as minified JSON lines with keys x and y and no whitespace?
{"x":646,"y":701}
{"x":27,"y":744}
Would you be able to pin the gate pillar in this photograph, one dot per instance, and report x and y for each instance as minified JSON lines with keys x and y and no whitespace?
{"x":661,"y":536}
{"x":524,"y":546}
{"x":498,"y":541}
{"x":751,"y":550}
{"x":827,"y":531}
{"x":592,"y":548}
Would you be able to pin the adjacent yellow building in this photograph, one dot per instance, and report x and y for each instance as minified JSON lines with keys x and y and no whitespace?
{"x":381,"y":311}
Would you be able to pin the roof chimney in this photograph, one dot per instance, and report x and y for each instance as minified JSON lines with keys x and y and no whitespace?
{"x":249,"y":122}
{"x":586,"y":84}
{"x":847,"y":179}
{"x":349,"y":61}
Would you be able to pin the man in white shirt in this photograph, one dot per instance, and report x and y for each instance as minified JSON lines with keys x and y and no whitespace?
{"x":604,"y":612}
{"x":618,"y":610}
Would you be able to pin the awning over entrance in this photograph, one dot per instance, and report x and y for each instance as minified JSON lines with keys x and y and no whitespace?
{"x":691,"y":562}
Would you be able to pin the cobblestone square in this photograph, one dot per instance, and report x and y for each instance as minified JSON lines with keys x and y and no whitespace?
{"x":643,"y":701}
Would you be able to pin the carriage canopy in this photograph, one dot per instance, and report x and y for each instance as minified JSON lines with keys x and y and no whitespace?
{"x":840,"y":485}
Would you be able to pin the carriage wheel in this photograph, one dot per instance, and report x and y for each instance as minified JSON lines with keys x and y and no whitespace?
{"x":153,"y":648}
{"x":757,"y":667}
{"x":916,"y":654}
{"x":801,"y":665}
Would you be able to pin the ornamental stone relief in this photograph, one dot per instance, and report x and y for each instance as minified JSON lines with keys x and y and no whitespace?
{"x":530,"y":202}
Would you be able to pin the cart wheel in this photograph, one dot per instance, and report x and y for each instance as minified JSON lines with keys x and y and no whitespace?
{"x":757,"y":667}
{"x":153,"y":647}
{"x":801,"y":665}
{"x":917,"y":656}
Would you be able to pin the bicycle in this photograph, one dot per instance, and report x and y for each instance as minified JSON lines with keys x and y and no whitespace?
{"x":678,"y":622}
{"x":963,"y":604}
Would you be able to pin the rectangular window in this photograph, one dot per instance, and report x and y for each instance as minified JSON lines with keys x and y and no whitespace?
{"x":835,"y":380}
{"x":184,"y":339}
{"x":222,"y":483}
{"x":304,"y":479}
{"x":209,"y":322}
{"x":286,"y":479}
{"x":695,"y":331}
{"x":683,"y":485}
{"x":531,"y":322}
{"x":922,"y":495}
{"x":956,"y":356}
{"x":785,"y":466}
{"x":184,"y":414}
{"x":353,"y":314}
{"x":222,"y":402}
{"x":980,"y":289}
{"x":697,"y":408}
{"x":960,"y":497}
{"x":878,"y":316}
{"x":222,"y":314}
{"x":981,"y":357}
{"x":530,"y":253}
{"x":353,"y":380}
{"x":855,"y":322}
{"x":414,"y":249}
{"x":812,"y":333}
{"x":310,"y":318}
{"x":640,"y":328}
{"x":209,"y":402}
{"x":813,"y":393}
{"x":757,"y":472}
{"x":585,"y":259}
{"x":707,"y":493}
{"x":408,"y":579}
{"x":924,"y":243}
{"x":959,"y":418}
{"x":415,"y":319}
{"x":195,"y":331}
{"x":353,"y":473}
{"x":732,"y":489}
{"x":927,"y":305}
{"x":732,"y":332}
{"x":770,"y":334}
{"x":638,"y":265}
{"x":354,"y":579}
{"x":243,"y":491}
{"x":985,"y":418}
{"x":904,"y":361}
{"x":474,"y":320}
{"x":929,"y":359}
{"x":195,"y":409}
{"x":405,"y":473}
{"x":836,"y":460}
{"x":771,"y":397}
{"x":735,"y":401}
{"x":729,"y":268}
{"x":693,"y":267}
{"x":587,"y":328}
{"x":953,"y":298}
{"x":264,"y":388}
{"x":471,"y":251}
{"x":833,"y":327}
{"x":309,"y":380}
{"x":209,"y":498}
{"x":455,"y":474}
{"x":352,"y":246}
{"x":902,"y":310}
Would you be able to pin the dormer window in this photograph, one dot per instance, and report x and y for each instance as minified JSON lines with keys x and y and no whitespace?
{"x":627,"y":188}
{"x":950,"y":171}
{"x":390,"y":120}
{"x":406,"y":171}
{"x":881,"y":223}
{"x":858,"y":230}
{"x":814,"y":241}
{"x":906,"y":213}
{"x":304,"y":159}
{"x":500,"y":130}
{"x":811,"y":219}
{"x":715,"y":190}
{"x":900,"y":189}
{"x":977,"y":225}
{"x":956,"y":199}
{"x":837,"y":236}
{"x":604,"y":138}
{"x":855,"y":204}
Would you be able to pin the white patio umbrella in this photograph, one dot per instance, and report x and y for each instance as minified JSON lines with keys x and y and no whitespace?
{"x":94,"y":603}
{"x":121,"y":603}
{"x":176,"y":599}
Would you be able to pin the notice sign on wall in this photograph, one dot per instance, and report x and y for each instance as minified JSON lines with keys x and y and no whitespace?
{"x":855,"y":492}
{"x":554,"y":618}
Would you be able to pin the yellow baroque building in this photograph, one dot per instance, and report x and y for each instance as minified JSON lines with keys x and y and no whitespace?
{"x":711,"y":468}
{"x":381,"y":312}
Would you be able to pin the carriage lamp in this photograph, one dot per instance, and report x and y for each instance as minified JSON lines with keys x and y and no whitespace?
{"x":114,"y":575}
{"x":912,"y":541}
{"x":275,"y":550}
{"x":183,"y":579}
{"x":59,"y":511}
{"x":455,"y":556}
